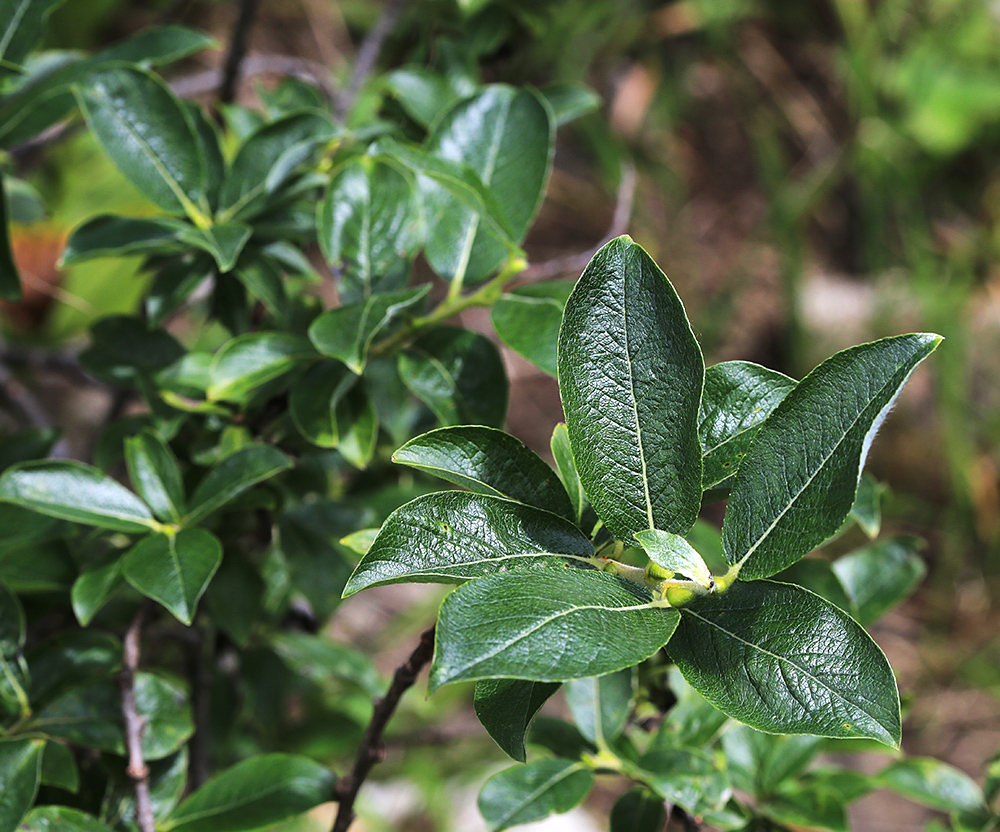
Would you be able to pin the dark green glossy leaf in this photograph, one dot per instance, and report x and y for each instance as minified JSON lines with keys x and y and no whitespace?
{"x":21,"y":25}
{"x":487,"y":461}
{"x":932,"y":783}
{"x":70,"y":657}
{"x":77,"y":492}
{"x":90,"y":715}
{"x":554,"y":627}
{"x":174,"y":283}
{"x":167,"y":779}
{"x":46,"y":566}
{"x":94,"y":588}
{"x":149,"y":136}
{"x":630,"y":377}
{"x":505,"y":135}
{"x":566,"y":468}
{"x":798,"y":481}
{"x":452,"y":536}
{"x":210,"y":145}
{"x":638,"y":810}
{"x":174,"y":569}
{"x":459,"y":375}
{"x":322,"y":661}
{"x":527,"y":320}
{"x":108,"y":235}
{"x":357,"y":423}
{"x":264,"y":280}
{"x":314,"y":400}
{"x":527,"y":793}
{"x":10,"y":279}
{"x":14,"y":680}
{"x":21,"y":527}
{"x":674,"y":554}
{"x":690,"y":778}
{"x":783,"y":660}
{"x":155,"y":474}
{"x":231,"y":477}
{"x":20,"y":772}
{"x":738,"y":397}
{"x":506,"y":707}
{"x":249,"y":361}
{"x":759,"y":763}
{"x":59,"y":767}
{"x":224,"y":241}
{"x":347,"y":332}
{"x":122,"y":346}
{"x":262,"y":790}
{"x":879,"y":576}
{"x":369,"y":225}
{"x":559,"y":737}
{"x":61,"y":818}
{"x":600,"y":705}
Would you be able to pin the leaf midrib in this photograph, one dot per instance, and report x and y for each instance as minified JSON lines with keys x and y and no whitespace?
{"x":542,"y":788}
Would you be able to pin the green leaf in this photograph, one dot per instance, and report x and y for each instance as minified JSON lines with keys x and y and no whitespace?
{"x":638,"y":810}
{"x":566,"y":468}
{"x":262,"y":790}
{"x":63,"y":818}
{"x":108,"y":235}
{"x":59,"y":767}
{"x":20,"y":773}
{"x":357,"y":423}
{"x":347,"y":332}
{"x":231,"y":477}
{"x":369,"y":225}
{"x":10,"y":279}
{"x":158,"y":45}
{"x":314,"y":399}
{"x":693,"y":722}
{"x":673,"y":553}
{"x":77,"y":492}
{"x":506,"y":136}
{"x":249,"y":361}
{"x":554,"y":627}
{"x":630,"y":378}
{"x":818,"y":576}
{"x":798,"y":481}
{"x":527,"y":320}
{"x":425,"y":93}
{"x":90,"y":714}
{"x":570,"y":101}
{"x":322,"y":661}
{"x":224,"y":241}
{"x":932,"y":783}
{"x":263,"y":278}
{"x":174,"y":569}
{"x":690,"y":778}
{"x":880,"y":575}
{"x":123,"y":347}
{"x":154,"y":472}
{"x":812,"y":807}
{"x":459,"y":375}
{"x":781,"y":659}
{"x":506,"y":707}
{"x":527,"y":793}
{"x":147,"y":133}
{"x":759,"y":763}
{"x":487,"y":461}
{"x":21,"y":25}
{"x":738,"y":397}
{"x":94,"y":588}
{"x":600,"y":705}
{"x":452,"y":536}
{"x":867,"y":508}
{"x":167,"y":779}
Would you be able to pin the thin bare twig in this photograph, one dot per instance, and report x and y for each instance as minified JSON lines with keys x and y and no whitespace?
{"x":368,"y":53}
{"x":237,"y":50}
{"x":135,"y":724}
{"x":576,"y":263}
{"x":372,"y":748}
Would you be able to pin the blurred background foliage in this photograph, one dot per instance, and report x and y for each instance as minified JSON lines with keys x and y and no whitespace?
{"x":810,"y":175}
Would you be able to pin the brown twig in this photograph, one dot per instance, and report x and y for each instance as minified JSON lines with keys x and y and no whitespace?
{"x":237,"y":50}
{"x":135,"y":724}
{"x":372,"y":748}
{"x":368,"y":53}
{"x":576,"y":263}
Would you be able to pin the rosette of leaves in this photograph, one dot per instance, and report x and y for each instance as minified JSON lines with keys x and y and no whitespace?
{"x":546,"y":595}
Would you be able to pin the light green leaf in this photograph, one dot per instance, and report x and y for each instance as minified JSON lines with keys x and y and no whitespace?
{"x":174,"y":569}
{"x":527,"y":793}
{"x":759,"y":763}
{"x":154,"y":472}
{"x":487,"y":461}
{"x":527,"y":320}
{"x":251,"y":360}
{"x":369,"y":225}
{"x":149,"y":136}
{"x":933,"y":783}
{"x":638,"y":810}
{"x":231,"y":477}
{"x":798,"y":481}
{"x":570,"y":101}
{"x":630,"y":378}
{"x":347,"y":332}
{"x":600,"y":705}
{"x":738,"y":397}
{"x":10,"y":280}
{"x":880,"y":575}
{"x":505,"y":135}
{"x":262,"y":790}
{"x":506,"y":707}
{"x":360,"y":541}
{"x":783,"y":660}
{"x":566,"y":468}
{"x":452,"y":536}
{"x":21,"y":25}
{"x":673,"y":553}
{"x":224,"y":241}
{"x":108,"y":235}
{"x":77,"y":492}
{"x":554,"y":627}
{"x":867,"y":508}
{"x":20,"y":773}
{"x":459,"y":375}
{"x":61,"y":818}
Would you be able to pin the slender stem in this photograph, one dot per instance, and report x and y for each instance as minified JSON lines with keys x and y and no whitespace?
{"x":372,"y":748}
{"x":135,"y":724}
{"x":237,"y":50}
{"x":368,"y":53}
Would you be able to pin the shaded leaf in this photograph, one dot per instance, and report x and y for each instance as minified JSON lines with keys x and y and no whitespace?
{"x":109,"y":235}
{"x":314,"y":400}
{"x":59,"y":767}
{"x":570,"y":101}
{"x":10,"y":279}
{"x":20,"y":773}
{"x":506,"y":707}
{"x":154,"y":472}
{"x":527,"y":793}
{"x":600,"y":705}
{"x":867,"y":508}
{"x":63,"y":818}
{"x":122,"y":347}
{"x":21,"y":25}
{"x":566,"y":468}
{"x":94,"y":588}
{"x":231,"y":477}
{"x":322,"y":660}
{"x":880,"y":575}
{"x":527,"y":320}
{"x":357,"y":423}
{"x":759,"y":763}
{"x":818,"y":576}
{"x":690,"y":778}
{"x":932,"y":783}
{"x":638,"y":810}
{"x":224,"y":241}
{"x":251,"y":360}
